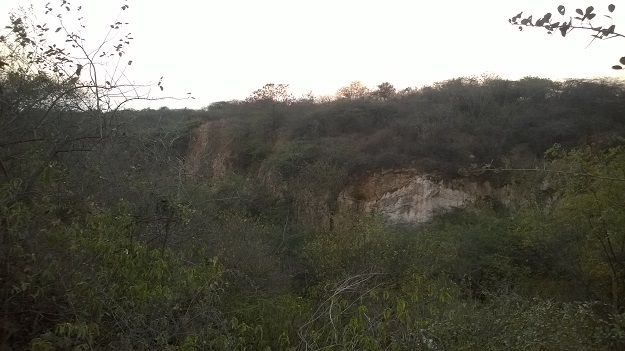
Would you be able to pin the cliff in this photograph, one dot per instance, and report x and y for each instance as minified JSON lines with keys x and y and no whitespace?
{"x":208,"y":154}
{"x":408,"y":196}
{"x":403,"y":196}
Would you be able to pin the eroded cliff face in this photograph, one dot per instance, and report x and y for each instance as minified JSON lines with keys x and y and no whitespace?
{"x":406,"y":196}
{"x":208,"y":154}
{"x":403,"y":196}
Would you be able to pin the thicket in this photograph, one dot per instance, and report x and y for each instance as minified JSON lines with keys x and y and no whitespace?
{"x":437,"y":129}
{"x":106,"y":244}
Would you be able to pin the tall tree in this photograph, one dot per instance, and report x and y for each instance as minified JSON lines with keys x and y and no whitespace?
{"x":385,"y":91}
{"x":272,"y":92}
{"x":355,"y":90}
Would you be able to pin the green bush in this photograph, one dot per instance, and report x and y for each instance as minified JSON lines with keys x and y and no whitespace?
{"x":90,"y":286}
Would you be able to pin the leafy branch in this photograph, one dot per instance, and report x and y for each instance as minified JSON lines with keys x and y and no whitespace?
{"x":582,"y":20}
{"x":580,"y":162}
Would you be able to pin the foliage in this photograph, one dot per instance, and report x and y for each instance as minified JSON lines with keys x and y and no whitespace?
{"x":511,"y":322}
{"x":591,"y":186}
{"x":355,"y":90}
{"x":91,"y":284}
{"x":272,"y":92}
{"x":57,"y":99}
{"x":385,"y":91}
{"x":438,"y":129}
{"x":288,"y":160}
{"x":583,"y":18}
{"x":353,"y":246}
{"x":107,"y":243}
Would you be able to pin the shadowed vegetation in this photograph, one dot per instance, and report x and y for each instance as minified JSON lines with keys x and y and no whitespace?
{"x":109,"y":241}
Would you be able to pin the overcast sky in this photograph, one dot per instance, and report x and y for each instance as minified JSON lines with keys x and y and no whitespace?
{"x":224,"y":50}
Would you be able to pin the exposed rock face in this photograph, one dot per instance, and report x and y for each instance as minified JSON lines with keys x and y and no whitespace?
{"x":209,"y":154}
{"x":403,"y":196}
{"x":407,"y":196}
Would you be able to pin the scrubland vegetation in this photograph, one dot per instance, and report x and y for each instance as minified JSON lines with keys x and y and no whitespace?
{"x":107,"y":241}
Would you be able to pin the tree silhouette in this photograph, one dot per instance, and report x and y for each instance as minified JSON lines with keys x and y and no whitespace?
{"x":355,"y":90}
{"x":272,"y":92}
{"x":385,"y":91}
{"x":581,"y":21}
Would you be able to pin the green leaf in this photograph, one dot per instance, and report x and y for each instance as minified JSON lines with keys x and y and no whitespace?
{"x":622,"y":60}
{"x":611,"y":7}
{"x":580,"y":11}
{"x":589,"y":10}
{"x":561,"y":9}
{"x":617,"y":67}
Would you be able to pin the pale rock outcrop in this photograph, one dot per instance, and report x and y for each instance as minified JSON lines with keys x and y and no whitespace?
{"x":407,"y":196}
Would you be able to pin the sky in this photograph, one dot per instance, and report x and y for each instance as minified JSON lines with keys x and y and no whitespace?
{"x":224,"y":50}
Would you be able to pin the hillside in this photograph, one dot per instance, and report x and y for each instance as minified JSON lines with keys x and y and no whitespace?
{"x":273,"y":223}
{"x":438,"y":133}
{"x":436,"y":129}
{"x":477,"y":213}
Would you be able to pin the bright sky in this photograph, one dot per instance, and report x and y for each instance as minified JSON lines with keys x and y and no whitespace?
{"x":224,"y":50}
